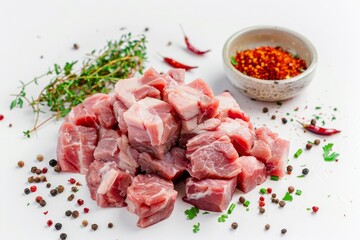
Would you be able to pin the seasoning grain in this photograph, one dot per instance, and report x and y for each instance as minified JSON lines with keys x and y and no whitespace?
{"x":20,"y":164}
{"x":234,"y":225}
{"x":63,"y":236}
{"x":84,"y":223}
{"x":283,"y":231}
{"x":267,"y":226}
{"x":75,"y":214}
{"x":110,"y":225}
{"x":94,"y":226}
{"x":40,"y":157}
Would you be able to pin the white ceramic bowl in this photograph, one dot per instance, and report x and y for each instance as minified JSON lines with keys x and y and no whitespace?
{"x":270,"y":90}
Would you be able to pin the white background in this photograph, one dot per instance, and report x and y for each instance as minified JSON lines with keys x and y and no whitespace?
{"x":30,"y":29}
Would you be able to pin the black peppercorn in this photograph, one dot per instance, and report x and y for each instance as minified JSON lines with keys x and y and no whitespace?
{"x":68,"y":213}
{"x":26,"y":191}
{"x":42,"y":203}
{"x":265,"y":110}
{"x":63,"y":236}
{"x":94,"y":226}
{"x":110,"y":225}
{"x":58,"y":226}
{"x":305,"y":171}
{"x":53,"y":192}
{"x":283,"y":231}
{"x":52,"y":163}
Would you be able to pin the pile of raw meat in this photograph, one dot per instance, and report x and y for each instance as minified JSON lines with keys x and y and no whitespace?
{"x":154,"y":130}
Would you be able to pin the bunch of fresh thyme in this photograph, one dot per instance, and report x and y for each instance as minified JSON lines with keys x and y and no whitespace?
{"x":99,"y":72}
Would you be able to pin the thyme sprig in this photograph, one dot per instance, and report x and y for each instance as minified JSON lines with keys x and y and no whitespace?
{"x":69,"y":86}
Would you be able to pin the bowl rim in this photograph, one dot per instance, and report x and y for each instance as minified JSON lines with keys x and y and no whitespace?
{"x":307,"y":42}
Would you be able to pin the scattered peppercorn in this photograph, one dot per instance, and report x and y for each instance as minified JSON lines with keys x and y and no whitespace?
{"x":20,"y":164}
{"x":33,"y":188}
{"x":38,"y":171}
{"x":282,"y":203}
{"x":313,"y":122}
{"x":42,"y":203}
{"x":48,"y":185}
{"x":38,"y":199}
{"x":110,"y":225}
{"x":261,"y":204}
{"x":68,"y":213}
{"x":60,"y":188}
{"x":234,"y":225}
{"x":284,"y":120}
{"x":80,"y":202}
{"x":308,"y":146}
{"x":36,"y":179}
{"x":57,"y":168}
{"x":49,"y":223}
{"x":33,"y":169}
{"x":86,"y":210}
{"x":146,"y":29}
{"x":273,"y":117}
{"x":1,"y":117}
{"x":291,"y":189}
{"x":273,"y":195}
{"x":72,"y":181}
{"x":70,"y":197}
{"x":26,"y":191}
{"x":305,"y":171}
{"x":283,"y":231}
{"x":317,"y":141}
{"x":269,"y":190}
{"x":75,"y":214}
{"x":267,"y":226}
{"x":58,"y":226}
{"x":63,"y":236}
{"x":42,"y":178}
{"x":52,"y":163}
{"x":40,"y":157}
{"x":53,"y":192}
{"x":94,"y":226}
{"x":242,"y":199}
{"x":84,"y":223}
{"x":169,"y":43}
{"x":76,"y":46}
{"x":74,"y":189}
{"x":262,"y":210}
{"x":315,"y":209}
{"x":265,"y":110}
{"x":261,"y":198}
{"x":31,"y":179}
{"x":44,"y":170}
{"x":275,"y":200}
{"x":289,"y":169}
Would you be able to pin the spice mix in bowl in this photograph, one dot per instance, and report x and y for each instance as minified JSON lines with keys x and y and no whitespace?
{"x":269,"y":63}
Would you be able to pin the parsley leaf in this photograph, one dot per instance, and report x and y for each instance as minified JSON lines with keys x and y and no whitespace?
{"x":222,"y":218}
{"x":196,"y":228}
{"x":191,"y":213}
{"x":327,"y":154}
{"x":287,"y":197}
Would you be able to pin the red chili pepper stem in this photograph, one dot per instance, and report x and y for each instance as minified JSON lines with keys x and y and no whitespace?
{"x":319,"y":130}
{"x":190,"y":46}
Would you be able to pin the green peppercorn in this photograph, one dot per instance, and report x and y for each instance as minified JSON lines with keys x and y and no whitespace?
{"x":234,"y":225}
{"x":26,"y":191}
{"x":53,"y":192}
{"x":317,"y":141}
{"x":58,"y":226}
{"x":305,"y":171}
{"x":68,"y":213}
{"x":110,"y":225}
{"x":63,"y":236}
{"x":94,"y":226}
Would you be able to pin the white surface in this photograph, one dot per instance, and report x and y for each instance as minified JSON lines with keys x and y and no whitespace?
{"x":31,"y":29}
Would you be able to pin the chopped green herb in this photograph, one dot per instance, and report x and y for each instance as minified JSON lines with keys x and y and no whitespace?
{"x":222,"y":218}
{"x":311,"y":142}
{"x":246,"y":203}
{"x":296,"y":109}
{"x":308,"y":209}
{"x":328,"y":156}
{"x":233,"y":61}
{"x":196,"y":228}
{"x":191,"y":213}
{"x":318,"y":107}
{"x":205,"y":213}
{"x":274,"y":178}
{"x":301,"y":176}
{"x":317,"y":117}
{"x":335,"y":109}
{"x":291,"y":120}
{"x":304,"y":165}
{"x":287,"y":114}
{"x":298,"y":192}
{"x":247,"y":209}
{"x":262,"y":190}
{"x":231,"y":208}
{"x":333,"y":118}
{"x":287,"y":197}
{"x":298,"y":153}
{"x":323,"y":122}
{"x":329,"y":195}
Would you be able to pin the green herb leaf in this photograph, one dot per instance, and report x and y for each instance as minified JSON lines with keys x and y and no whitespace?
{"x":27,"y":133}
{"x":246,"y":203}
{"x":298,"y":192}
{"x":288,"y":197}
{"x":301,"y":176}
{"x":222,"y":218}
{"x":231,"y":208}
{"x":205,"y":213}
{"x":318,"y":107}
{"x":233,"y":61}
{"x":191,"y":213}
{"x":262,"y":190}
{"x":327,"y":154}
{"x":298,"y":153}
{"x":13,"y":104}
{"x":196,"y":228}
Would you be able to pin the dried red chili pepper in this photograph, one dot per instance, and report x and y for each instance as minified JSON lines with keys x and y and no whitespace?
{"x":177,"y":64}
{"x":319,"y":130}
{"x":191,"y":47}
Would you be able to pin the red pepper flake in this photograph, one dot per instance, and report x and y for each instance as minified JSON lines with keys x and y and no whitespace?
{"x":315,"y":209}
{"x":38,"y":199}
{"x":44,"y":170}
{"x":86,"y":210}
{"x":49,"y":223}
{"x":1,"y":117}
{"x":80,"y":202}
{"x":261,"y":204}
{"x":33,"y":188}
{"x":269,"y":190}
{"x":46,"y":212}
{"x":262,"y":198}
{"x":72,"y":181}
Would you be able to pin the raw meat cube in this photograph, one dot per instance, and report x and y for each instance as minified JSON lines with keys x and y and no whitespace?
{"x":128,"y":155}
{"x":107,"y":148}
{"x":228,"y":107}
{"x":108,"y":184}
{"x":75,"y":147}
{"x":177,"y":74}
{"x":212,"y":155}
{"x":170,"y":167}
{"x":151,"y":198}
{"x":210,"y":194}
{"x":194,"y":103}
{"x":152,"y":126}
{"x":119,"y":109}
{"x":253,"y":173}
